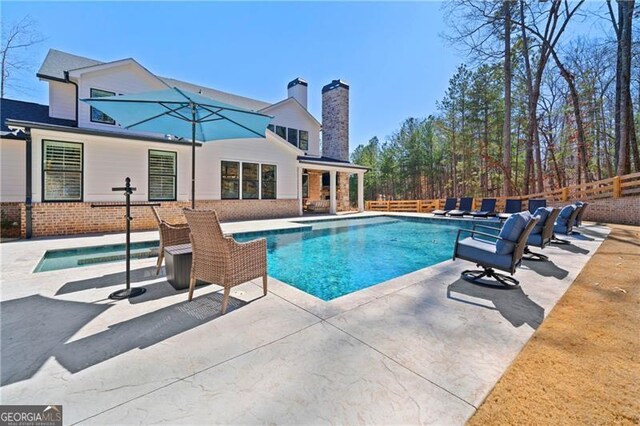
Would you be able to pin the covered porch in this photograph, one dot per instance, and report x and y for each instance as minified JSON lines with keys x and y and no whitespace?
{"x":324,"y":186}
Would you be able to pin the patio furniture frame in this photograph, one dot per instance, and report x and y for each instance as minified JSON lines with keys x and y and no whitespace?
{"x":570,"y":223}
{"x":488,"y":268}
{"x":170,"y":235}
{"x":545,"y":237}
{"x":222,"y":260}
{"x":449,"y":204}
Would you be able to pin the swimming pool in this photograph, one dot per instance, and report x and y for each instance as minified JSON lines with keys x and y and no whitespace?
{"x":338,"y":257}
{"x":84,"y":256}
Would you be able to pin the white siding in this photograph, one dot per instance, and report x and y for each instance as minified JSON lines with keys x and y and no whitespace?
{"x":291,"y":114}
{"x":267,"y":151}
{"x":108,"y":161}
{"x":62,"y":100}
{"x":124,"y":79}
{"x":12,"y":170}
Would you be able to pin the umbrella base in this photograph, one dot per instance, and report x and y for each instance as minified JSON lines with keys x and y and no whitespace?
{"x":127,"y":293}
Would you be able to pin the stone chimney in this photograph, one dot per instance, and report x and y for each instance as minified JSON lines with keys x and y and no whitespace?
{"x":297,"y":89}
{"x":335,"y":134}
{"x":335,"y":120}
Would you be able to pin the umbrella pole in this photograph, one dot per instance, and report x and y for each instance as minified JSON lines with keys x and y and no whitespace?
{"x":193,"y":157}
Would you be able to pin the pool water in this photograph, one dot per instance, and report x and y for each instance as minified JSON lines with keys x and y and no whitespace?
{"x":84,"y":256}
{"x":338,"y":257}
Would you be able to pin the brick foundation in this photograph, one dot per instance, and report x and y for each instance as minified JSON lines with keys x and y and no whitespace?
{"x":50,"y":219}
{"x":625,"y":210}
{"x":10,"y":212}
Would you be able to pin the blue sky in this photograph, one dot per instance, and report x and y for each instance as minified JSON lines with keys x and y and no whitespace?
{"x":390,"y":53}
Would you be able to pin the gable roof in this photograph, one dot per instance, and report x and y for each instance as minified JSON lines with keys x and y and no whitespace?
{"x":241,"y":101}
{"x":57,"y":63}
{"x":26,"y":111}
{"x":295,"y":102}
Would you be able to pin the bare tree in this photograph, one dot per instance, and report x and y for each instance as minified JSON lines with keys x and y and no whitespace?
{"x":506,"y":129}
{"x":16,"y":39}
{"x":622,"y":26}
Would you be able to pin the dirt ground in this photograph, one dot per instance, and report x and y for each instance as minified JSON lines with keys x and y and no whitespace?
{"x":582,"y":366}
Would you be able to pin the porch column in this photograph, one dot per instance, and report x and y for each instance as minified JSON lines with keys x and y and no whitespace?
{"x":299,"y":191}
{"x":332,"y":192}
{"x":361,"y":191}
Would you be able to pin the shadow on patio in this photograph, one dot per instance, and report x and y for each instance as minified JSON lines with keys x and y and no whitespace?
{"x":108,"y":280}
{"x":36,"y":328}
{"x":513,"y":304}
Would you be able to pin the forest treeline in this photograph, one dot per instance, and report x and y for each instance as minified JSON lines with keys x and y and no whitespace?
{"x":533,"y":109}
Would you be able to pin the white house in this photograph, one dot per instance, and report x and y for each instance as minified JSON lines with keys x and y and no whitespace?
{"x":56,"y":164}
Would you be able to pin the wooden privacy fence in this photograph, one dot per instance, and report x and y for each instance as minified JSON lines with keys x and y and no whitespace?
{"x":615,"y":187}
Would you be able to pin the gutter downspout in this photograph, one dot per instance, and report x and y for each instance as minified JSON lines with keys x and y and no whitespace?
{"x":66,"y":77}
{"x":29,"y":179}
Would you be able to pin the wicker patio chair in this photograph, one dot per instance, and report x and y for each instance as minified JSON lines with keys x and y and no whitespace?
{"x":222,"y":260}
{"x":170,"y":235}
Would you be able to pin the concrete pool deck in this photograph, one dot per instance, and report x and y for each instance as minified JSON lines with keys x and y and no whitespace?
{"x":426,"y":347}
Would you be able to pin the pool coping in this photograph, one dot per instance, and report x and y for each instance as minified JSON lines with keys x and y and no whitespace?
{"x":321,"y":308}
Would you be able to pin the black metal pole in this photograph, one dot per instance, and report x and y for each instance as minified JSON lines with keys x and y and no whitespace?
{"x":127,"y":292}
{"x":128,"y":191}
{"x":193,"y":156}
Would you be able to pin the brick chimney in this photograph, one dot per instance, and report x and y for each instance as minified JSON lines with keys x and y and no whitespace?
{"x":297,"y":89}
{"x":335,"y":120}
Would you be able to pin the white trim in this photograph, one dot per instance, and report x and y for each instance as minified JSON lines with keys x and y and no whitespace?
{"x":272,"y":136}
{"x":76,"y":73}
{"x":339,"y":167}
{"x":284,"y":101}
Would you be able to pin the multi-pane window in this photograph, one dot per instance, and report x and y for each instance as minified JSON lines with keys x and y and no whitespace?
{"x":295,"y":137}
{"x":98,"y":116}
{"x":250,"y":181}
{"x":230,"y":180}
{"x":304,"y":140}
{"x":256,"y":180}
{"x":162,"y":175}
{"x":62,"y":171}
{"x":268,"y":182}
{"x":292,"y":136}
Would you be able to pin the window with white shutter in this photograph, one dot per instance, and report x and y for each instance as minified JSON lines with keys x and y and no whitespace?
{"x":61,"y":171}
{"x":162,"y":175}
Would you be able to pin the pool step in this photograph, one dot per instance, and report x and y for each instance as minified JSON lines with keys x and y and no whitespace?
{"x":117,"y":257}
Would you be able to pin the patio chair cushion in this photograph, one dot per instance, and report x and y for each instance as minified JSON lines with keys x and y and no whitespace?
{"x":543,"y":213}
{"x":535,"y":239}
{"x":483,"y":252}
{"x":565,"y":214}
{"x":560,"y":229}
{"x":511,"y":231}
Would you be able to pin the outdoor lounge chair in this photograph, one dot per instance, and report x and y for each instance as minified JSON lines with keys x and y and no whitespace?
{"x":511,"y":206}
{"x":221,"y":260}
{"x":449,"y":204}
{"x":466,"y":203}
{"x":542,"y":233}
{"x":504,"y":254}
{"x":536,"y":204}
{"x":583,"y":207}
{"x":487,"y":208}
{"x":170,"y":235}
{"x":564,"y":222}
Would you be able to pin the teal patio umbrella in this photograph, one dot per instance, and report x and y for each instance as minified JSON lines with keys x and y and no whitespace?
{"x":183,"y":114}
